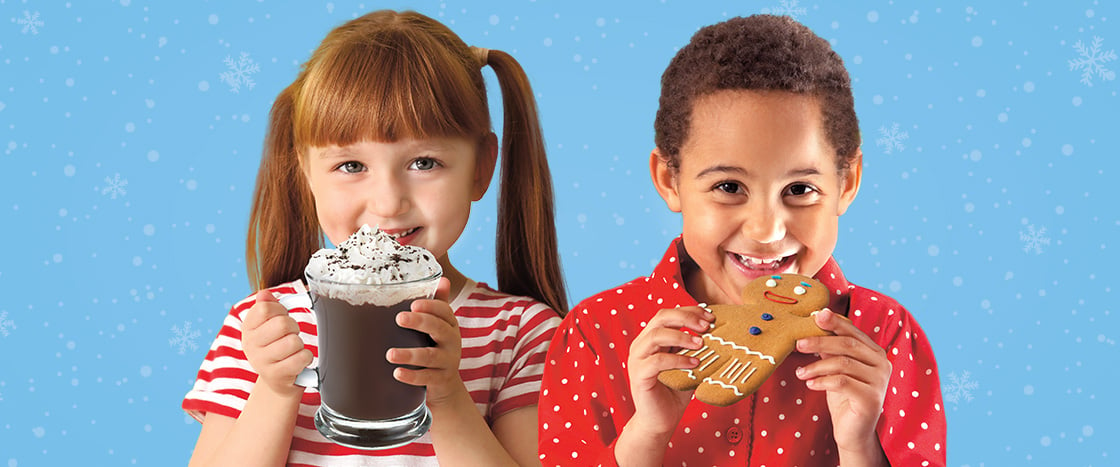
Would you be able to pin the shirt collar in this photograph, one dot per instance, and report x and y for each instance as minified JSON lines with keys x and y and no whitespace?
{"x":667,"y":281}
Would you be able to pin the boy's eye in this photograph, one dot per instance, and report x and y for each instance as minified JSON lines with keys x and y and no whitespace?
{"x":729,"y":187}
{"x":424,"y":163}
{"x":351,"y":167}
{"x":801,"y":189}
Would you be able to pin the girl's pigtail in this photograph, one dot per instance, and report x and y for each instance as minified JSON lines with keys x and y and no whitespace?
{"x":283,"y":229}
{"x":528,"y":261}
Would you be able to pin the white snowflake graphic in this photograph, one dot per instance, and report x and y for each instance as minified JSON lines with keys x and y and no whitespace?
{"x":184,"y":337}
{"x":1034,"y":239}
{"x":6,"y":325}
{"x":115,"y":186}
{"x":240,"y":72}
{"x":787,"y":8}
{"x":892,"y":139}
{"x":31,"y":22}
{"x":959,"y":388}
{"x":1091,"y":61}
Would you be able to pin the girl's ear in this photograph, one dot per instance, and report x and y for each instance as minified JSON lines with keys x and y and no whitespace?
{"x":849,"y":183}
{"x":484,"y":166}
{"x":664,"y":180}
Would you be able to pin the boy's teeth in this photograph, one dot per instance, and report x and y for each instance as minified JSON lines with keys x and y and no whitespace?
{"x":749,"y":261}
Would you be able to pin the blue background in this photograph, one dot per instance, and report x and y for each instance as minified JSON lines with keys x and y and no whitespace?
{"x":130,"y":133}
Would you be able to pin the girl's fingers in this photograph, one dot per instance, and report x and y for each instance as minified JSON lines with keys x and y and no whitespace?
{"x":438,"y":308}
{"x":428,"y":357}
{"x":436,"y":327}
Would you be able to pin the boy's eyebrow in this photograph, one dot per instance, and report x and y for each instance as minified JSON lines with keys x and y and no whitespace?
{"x":722,"y":169}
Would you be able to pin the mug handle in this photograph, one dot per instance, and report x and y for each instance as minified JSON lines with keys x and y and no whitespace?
{"x":308,"y":378}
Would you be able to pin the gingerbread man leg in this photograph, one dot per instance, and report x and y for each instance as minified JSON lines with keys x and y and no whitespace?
{"x":712,"y":356}
{"x":739,"y":376}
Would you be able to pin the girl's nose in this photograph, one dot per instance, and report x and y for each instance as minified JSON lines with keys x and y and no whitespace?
{"x":387,"y":197}
{"x":763,"y":222}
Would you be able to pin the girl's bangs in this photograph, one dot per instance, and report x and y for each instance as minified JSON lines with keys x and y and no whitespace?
{"x":388,"y":91}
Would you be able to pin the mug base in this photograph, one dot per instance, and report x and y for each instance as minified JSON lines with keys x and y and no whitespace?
{"x":371,"y":435}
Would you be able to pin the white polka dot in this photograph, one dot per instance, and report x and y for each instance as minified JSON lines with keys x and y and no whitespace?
{"x":797,"y":434}
{"x":687,"y":429}
{"x":763,"y":433}
{"x":700,"y":449}
{"x":568,"y":425}
{"x":915,"y":394}
{"x":780,"y":450}
{"x":781,"y":416}
{"x":704,"y":415}
{"x":901,"y":413}
{"x":672,"y":259}
{"x":936,"y":446}
{"x":910,"y":445}
{"x":575,"y":454}
{"x":925,"y":426}
{"x":556,"y":408}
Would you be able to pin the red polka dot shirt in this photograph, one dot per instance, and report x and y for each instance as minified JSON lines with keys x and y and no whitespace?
{"x":585,"y":397}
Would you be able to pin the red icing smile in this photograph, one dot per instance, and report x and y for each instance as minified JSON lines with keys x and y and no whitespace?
{"x":779,"y":298}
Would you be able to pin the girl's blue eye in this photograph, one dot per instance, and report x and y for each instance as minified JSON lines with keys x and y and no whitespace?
{"x":424,"y":163}
{"x":351,"y":167}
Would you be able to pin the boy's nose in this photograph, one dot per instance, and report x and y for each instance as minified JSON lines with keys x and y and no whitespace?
{"x":763,"y":223}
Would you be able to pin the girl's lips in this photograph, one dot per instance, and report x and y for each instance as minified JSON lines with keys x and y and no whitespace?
{"x":403,"y":236}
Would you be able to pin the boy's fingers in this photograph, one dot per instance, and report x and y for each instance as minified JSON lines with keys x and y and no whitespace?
{"x":695,"y":319}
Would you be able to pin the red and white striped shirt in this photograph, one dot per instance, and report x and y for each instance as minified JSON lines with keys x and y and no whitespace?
{"x":505,"y":339}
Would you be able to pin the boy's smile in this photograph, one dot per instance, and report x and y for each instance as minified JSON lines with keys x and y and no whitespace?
{"x":758,"y":189}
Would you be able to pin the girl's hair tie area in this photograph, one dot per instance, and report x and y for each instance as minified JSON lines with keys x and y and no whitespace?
{"x":481,"y":55}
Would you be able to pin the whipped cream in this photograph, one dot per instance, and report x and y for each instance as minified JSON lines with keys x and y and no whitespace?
{"x":368,"y":258}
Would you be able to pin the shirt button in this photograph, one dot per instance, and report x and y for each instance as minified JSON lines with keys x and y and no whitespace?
{"x":734,"y":435}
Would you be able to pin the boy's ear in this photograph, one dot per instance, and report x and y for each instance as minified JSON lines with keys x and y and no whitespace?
{"x":849,"y":184}
{"x":484,"y":166}
{"x":664,"y":180}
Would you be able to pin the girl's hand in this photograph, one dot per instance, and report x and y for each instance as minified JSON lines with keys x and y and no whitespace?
{"x":855,"y":372}
{"x":270,"y":339}
{"x":440,"y":364}
{"x":658,"y":408}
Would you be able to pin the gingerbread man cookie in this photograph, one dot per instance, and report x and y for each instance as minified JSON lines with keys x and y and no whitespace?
{"x":747,"y":342}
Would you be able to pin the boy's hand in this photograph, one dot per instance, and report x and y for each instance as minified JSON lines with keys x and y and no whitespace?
{"x":270,"y":339}
{"x":440,"y":364}
{"x":658,"y":408}
{"x":855,"y":372}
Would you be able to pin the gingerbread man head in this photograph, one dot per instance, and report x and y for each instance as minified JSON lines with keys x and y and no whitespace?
{"x":794,"y":294}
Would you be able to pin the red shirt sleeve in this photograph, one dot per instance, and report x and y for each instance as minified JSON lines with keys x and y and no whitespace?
{"x":912,"y":428}
{"x":585,"y":391}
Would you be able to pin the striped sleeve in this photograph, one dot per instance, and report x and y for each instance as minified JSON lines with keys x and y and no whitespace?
{"x":522,"y":387}
{"x":225,"y":378}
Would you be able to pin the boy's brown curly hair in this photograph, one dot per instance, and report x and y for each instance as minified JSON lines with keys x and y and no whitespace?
{"x":756,"y":53}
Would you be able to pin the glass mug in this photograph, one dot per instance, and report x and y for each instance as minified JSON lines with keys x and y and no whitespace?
{"x":363,"y":406}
